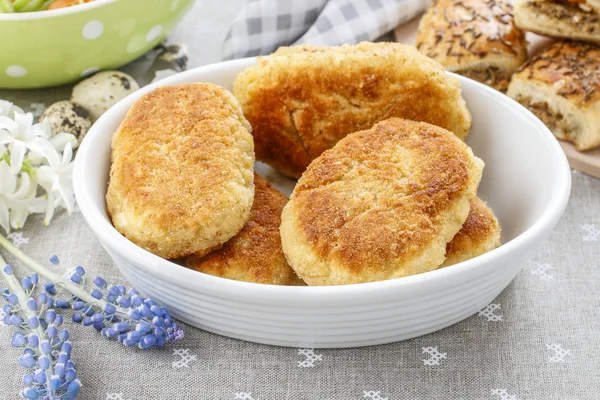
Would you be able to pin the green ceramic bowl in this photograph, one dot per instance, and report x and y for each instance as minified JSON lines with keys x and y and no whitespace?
{"x":49,"y":48}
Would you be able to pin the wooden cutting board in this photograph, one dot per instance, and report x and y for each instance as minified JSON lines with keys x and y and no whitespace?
{"x":587,"y":162}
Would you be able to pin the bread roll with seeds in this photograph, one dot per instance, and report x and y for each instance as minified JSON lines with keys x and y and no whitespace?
{"x":479,"y":234}
{"x":382,"y":204}
{"x":254,"y":254}
{"x":302,"y":100}
{"x":561,"y":85}
{"x":181,"y":179}
{"x":477,"y":39}
{"x":559,"y":19}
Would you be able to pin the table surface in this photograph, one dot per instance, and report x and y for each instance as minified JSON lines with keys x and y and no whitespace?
{"x":537,"y":340}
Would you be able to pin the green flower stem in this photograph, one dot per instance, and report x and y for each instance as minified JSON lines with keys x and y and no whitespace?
{"x":58,"y":280}
{"x":15,"y":287}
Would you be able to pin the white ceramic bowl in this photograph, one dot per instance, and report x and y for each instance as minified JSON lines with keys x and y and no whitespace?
{"x":526,"y":181}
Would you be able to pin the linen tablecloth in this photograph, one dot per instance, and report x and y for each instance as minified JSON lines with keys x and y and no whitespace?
{"x":538,"y":340}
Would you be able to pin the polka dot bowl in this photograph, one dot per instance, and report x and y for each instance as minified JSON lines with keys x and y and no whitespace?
{"x":49,"y":48}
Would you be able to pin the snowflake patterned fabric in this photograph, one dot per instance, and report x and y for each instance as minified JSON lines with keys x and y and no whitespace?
{"x":310,"y":358}
{"x":554,"y":300}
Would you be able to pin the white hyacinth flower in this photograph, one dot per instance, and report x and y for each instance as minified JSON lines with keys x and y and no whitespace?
{"x":18,"y":134}
{"x":16,"y":195}
{"x":56,"y":178}
{"x":8,"y":109}
{"x":36,"y":168}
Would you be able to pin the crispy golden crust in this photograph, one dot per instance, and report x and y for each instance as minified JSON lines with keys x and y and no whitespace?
{"x":479,"y":234}
{"x":474,"y":38}
{"x":254,"y":254}
{"x":561,"y":85}
{"x":559,"y":19}
{"x":301,"y":100}
{"x":383,"y":203}
{"x":181,"y":176}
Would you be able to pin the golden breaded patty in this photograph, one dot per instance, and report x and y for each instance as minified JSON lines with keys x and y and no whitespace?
{"x":383,"y":203}
{"x":302,"y":100}
{"x":181,"y":179}
{"x":254,"y":254}
{"x":479,"y":234}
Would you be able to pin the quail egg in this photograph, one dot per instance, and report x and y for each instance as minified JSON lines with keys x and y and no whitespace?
{"x":101,"y":91}
{"x":66,"y":116}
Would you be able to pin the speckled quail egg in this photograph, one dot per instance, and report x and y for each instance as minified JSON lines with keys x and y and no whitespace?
{"x":66,"y":116}
{"x":101,"y":91}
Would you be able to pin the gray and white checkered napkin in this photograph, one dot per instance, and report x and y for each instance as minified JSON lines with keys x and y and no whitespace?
{"x":264,"y":25}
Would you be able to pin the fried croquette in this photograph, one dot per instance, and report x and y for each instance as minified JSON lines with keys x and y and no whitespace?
{"x":383,"y":203}
{"x":181,"y":179}
{"x":302,"y":100}
{"x":479,"y":234}
{"x":254,"y":254}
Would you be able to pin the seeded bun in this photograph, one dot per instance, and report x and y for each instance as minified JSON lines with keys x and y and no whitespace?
{"x":473,"y":38}
{"x":559,"y":19}
{"x":561,"y":85}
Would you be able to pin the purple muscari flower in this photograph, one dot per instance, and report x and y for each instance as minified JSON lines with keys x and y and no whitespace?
{"x":70,"y":375}
{"x":45,"y":346}
{"x":79,"y":270}
{"x":60,"y":303}
{"x":74,"y":386}
{"x":51,"y":373}
{"x":27,"y":360}
{"x":113,"y":290}
{"x":50,"y":288}
{"x":59,"y":369}
{"x":35,"y":278}
{"x":44,"y":362}
{"x":50,"y":316}
{"x":124,"y":301}
{"x":33,"y":322}
{"x":13,"y":299}
{"x":30,"y":393}
{"x":40,"y":376}
{"x":54,"y":259}
{"x":28,"y":379}
{"x":109,"y":309}
{"x":66,"y":347}
{"x":26,"y":283}
{"x":52,"y":331}
{"x":8,"y":270}
{"x":96,"y":294}
{"x":18,"y":340}
{"x":76,"y":278}
{"x":78,"y":305}
{"x":100,"y":282}
{"x":32,"y":304}
{"x":54,"y":382}
{"x":33,"y":340}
